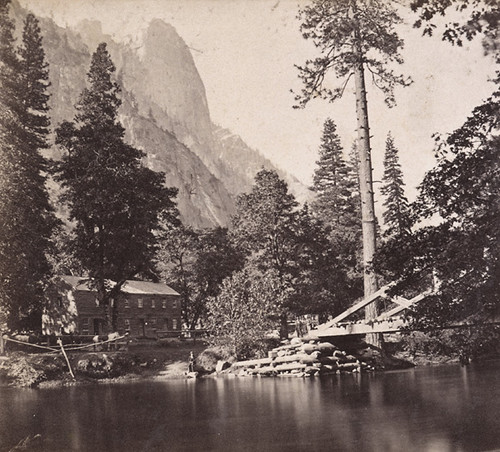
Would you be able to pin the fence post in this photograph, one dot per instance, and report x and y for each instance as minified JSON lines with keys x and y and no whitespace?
{"x":59,"y":341}
{"x":2,"y":344}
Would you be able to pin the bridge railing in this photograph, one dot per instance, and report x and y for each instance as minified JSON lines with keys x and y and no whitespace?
{"x":385,"y":322}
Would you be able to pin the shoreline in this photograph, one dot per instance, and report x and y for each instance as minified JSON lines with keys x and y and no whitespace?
{"x":154,"y":363}
{"x":157,"y":377}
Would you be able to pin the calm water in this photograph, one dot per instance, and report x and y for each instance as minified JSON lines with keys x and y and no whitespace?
{"x":446,"y":408}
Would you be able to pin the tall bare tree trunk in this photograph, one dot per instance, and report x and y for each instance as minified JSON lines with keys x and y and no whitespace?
{"x":366,"y":192}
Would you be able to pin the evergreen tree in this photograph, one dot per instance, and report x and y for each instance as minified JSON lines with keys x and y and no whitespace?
{"x":353,"y":36}
{"x":397,"y":210}
{"x":26,"y":218}
{"x":294,"y":246}
{"x":323,"y":284}
{"x":330,"y":180}
{"x":337,"y":203}
{"x":35,"y":82}
{"x":117,"y":203}
{"x":264,"y":222}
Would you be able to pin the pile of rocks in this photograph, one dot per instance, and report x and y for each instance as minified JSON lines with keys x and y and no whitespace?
{"x":301,"y":359}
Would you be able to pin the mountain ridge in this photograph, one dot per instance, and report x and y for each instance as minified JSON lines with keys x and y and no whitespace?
{"x":164,"y":111}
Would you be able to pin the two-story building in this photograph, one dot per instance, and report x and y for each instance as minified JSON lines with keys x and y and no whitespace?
{"x":142,"y":308}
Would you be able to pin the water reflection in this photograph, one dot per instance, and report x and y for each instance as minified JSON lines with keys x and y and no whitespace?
{"x":431,"y":409}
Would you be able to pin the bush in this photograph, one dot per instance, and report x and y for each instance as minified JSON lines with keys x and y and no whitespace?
{"x":252,"y":348}
{"x":244,"y":312}
{"x":30,"y":371}
{"x":438,"y":343}
{"x":473,"y":342}
{"x":244,"y":347}
{"x":207,"y":360}
{"x":104,"y":365}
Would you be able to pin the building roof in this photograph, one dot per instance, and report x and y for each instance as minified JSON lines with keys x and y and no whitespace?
{"x":130,"y":286}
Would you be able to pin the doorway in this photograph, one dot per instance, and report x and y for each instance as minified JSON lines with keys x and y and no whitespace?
{"x":97,"y":327}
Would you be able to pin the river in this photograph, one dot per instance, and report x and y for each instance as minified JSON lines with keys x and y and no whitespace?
{"x":442,"y":408}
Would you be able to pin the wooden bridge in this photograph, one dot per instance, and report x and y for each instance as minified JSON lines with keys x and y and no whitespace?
{"x":389,"y":321}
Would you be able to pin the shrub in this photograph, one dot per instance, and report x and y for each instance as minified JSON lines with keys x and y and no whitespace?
{"x":30,"y":371}
{"x":244,"y":312}
{"x":474,"y":342}
{"x":207,"y":360}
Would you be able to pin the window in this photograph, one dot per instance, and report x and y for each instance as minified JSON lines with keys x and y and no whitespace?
{"x":153,"y":303}
{"x":164,"y":304}
{"x":85,"y":326}
{"x":140,"y":303}
{"x":174,"y":304}
{"x":174,"y":324}
{"x":127,"y":325}
{"x":152,"y":322}
{"x":165,"y":323}
{"x":126,"y":303}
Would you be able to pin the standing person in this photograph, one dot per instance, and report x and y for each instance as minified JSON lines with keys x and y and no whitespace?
{"x":191,"y":362}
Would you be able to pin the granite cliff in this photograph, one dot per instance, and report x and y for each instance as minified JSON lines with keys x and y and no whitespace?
{"x":165,"y":113}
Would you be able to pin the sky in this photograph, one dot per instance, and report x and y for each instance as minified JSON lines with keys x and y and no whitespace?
{"x":245,"y":52}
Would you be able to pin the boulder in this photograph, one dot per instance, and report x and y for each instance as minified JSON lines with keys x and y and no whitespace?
{"x":309,"y":359}
{"x":222,"y":365}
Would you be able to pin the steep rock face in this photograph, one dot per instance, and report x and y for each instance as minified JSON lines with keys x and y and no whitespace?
{"x":238,"y":164}
{"x":69,"y":60}
{"x":174,"y":85}
{"x":167,"y":88}
{"x":202,"y":200}
{"x":164,"y":111}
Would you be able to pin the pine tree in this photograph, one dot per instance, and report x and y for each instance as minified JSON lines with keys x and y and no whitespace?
{"x":322,"y":285}
{"x":117,"y":203}
{"x":397,"y":210}
{"x":353,"y":36}
{"x":337,"y":204}
{"x":330,"y":181}
{"x":35,"y":82}
{"x":9,"y":70}
{"x":27,"y":220}
{"x":460,"y":194}
{"x":264,"y":222}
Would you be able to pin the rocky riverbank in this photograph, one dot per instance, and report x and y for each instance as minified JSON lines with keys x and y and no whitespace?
{"x":161,"y":361}
{"x":141,"y":361}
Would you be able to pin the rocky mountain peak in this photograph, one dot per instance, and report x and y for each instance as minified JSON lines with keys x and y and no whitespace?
{"x":165,"y":113}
